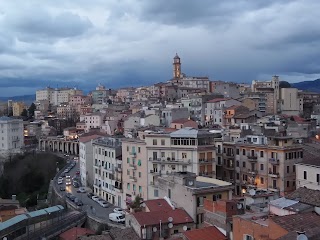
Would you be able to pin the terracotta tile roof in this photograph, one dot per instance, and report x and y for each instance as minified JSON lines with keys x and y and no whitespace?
{"x":181,"y":120}
{"x":218,"y":100}
{"x":306,"y":195}
{"x":88,"y":137}
{"x":75,"y":232}
{"x":123,"y":234}
{"x":298,"y":222}
{"x":158,"y":205}
{"x":233,"y":107}
{"x":207,"y":233}
{"x":179,"y":216}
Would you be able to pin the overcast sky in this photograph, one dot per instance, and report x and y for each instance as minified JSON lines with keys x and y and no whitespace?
{"x":132,"y":42}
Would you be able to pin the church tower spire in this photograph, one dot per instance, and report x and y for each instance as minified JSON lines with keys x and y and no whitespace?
{"x":176,"y":67}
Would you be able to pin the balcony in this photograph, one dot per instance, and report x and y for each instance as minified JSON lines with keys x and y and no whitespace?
{"x":274,"y":161}
{"x":252,"y":157}
{"x":229,"y":155}
{"x":132,"y":178}
{"x":274,"y":174}
{"x":273,"y":188}
{"x":118,"y":188}
{"x":252,"y":172}
{"x":170,"y":161}
{"x":195,"y":104}
{"x":132,"y":166}
{"x":133,"y":154}
{"x":207,"y":174}
{"x":155,"y":172}
{"x":206,"y":161}
{"x":119,"y":170}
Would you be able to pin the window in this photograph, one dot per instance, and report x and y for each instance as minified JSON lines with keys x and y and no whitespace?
{"x":200,"y":201}
{"x":318,"y":178}
{"x":139,"y":149}
{"x":243,"y":152}
{"x":237,"y":151}
{"x":163,"y":154}
{"x":237,"y":176}
{"x":244,"y":164}
{"x":247,"y":237}
{"x":127,"y":148}
{"x":294,"y":168}
{"x":169,"y":193}
{"x":288,"y":169}
{"x":163,"y":142}
{"x":305,"y":175}
{"x":140,"y":189}
{"x":216,"y":197}
{"x":134,"y":187}
{"x":262,"y":180}
{"x":128,"y":186}
{"x":154,"y":142}
{"x":128,"y":160}
{"x":184,"y":155}
{"x":288,"y":184}
{"x":156,"y":192}
{"x":261,"y":167}
{"x":237,"y":163}
{"x":139,"y":174}
{"x":261,"y":153}
{"x":175,"y":231}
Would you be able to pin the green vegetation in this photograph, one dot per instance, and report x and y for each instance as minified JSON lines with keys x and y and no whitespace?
{"x":28,"y":176}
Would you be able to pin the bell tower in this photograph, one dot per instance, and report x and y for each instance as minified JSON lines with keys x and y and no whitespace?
{"x":176,"y":67}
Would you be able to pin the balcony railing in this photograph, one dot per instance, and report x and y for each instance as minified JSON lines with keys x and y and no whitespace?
{"x":252,"y":157}
{"x":170,"y":160}
{"x":274,"y":174}
{"x":204,"y":160}
{"x":133,"y":178}
{"x":132,"y":166}
{"x":274,"y":161}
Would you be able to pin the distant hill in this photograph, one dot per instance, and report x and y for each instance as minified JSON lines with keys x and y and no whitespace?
{"x":24,"y":98}
{"x":310,"y":86}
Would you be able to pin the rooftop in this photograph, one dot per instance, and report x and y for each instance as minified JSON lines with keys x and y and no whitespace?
{"x":305,"y":195}
{"x":179,"y":216}
{"x":158,"y":205}
{"x":207,"y":233}
{"x":74,"y":233}
{"x":218,"y":100}
{"x":181,"y":120}
{"x":189,"y":132}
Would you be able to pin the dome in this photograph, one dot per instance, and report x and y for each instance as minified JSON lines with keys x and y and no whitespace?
{"x":284,"y":84}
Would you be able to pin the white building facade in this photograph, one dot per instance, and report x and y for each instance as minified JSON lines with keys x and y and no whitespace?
{"x":11,"y":136}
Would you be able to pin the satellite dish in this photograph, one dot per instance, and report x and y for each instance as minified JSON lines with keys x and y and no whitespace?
{"x":185,"y":228}
{"x":239,"y":206}
{"x":170,"y":219}
{"x":170,"y":225}
{"x":252,"y":192}
{"x":302,"y":237}
{"x":154,"y":229}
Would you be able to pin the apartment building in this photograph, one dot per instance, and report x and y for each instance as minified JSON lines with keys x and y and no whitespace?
{"x":67,"y":111}
{"x":184,"y":150}
{"x":168,"y":115}
{"x":228,"y":89}
{"x":215,"y":110}
{"x":17,"y":108}
{"x":194,"y":191}
{"x":107,"y":174}
{"x":134,"y":168}
{"x":308,"y":174}
{"x":92,"y":120}
{"x":264,"y":163}
{"x":77,"y":100}
{"x":290,"y":102}
{"x":56,"y":96}
{"x":86,"y":158}
{"x":12,"y":135}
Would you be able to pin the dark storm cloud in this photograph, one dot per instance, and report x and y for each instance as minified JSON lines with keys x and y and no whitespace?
{"x":122,"y":43}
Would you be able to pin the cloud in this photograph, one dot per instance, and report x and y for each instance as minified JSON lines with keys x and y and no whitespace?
{"x":122,"y":43}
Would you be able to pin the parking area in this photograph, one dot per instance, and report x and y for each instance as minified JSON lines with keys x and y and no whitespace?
{"x":88,"y":204}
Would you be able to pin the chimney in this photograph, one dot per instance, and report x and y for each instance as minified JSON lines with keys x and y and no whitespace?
{"x":14,"y":197}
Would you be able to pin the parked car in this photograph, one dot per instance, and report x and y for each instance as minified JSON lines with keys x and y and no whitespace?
{"x":90,"y":195}
{"x":60,"y":182}
{"x":72,"y":198}
{"x":116,"y":217}
{"x":95,"y":198}
{"x":62,"y":188}
{"x":119,"y":210}
{"x":81,"y":190}
{"x":76,"y":184}
{"x":103,"y":203}
{"x":79,"y":203}
{"x":68,"y":195}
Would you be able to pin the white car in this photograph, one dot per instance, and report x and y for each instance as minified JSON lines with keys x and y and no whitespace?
{"x":60,"y":179}
{"x":95,"y":198}
{"x":104,"y":204}
{"x":119,"y":210}
{"x":116,"y":217}
{"x":60,"y":182}
{"x":81,"y":190}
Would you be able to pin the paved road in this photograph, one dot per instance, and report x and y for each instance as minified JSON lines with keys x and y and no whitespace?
{"x":97,"y":210}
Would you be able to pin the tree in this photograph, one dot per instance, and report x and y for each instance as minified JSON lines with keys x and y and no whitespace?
{"x":31,"y":109}
{"x":24,"y":113}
